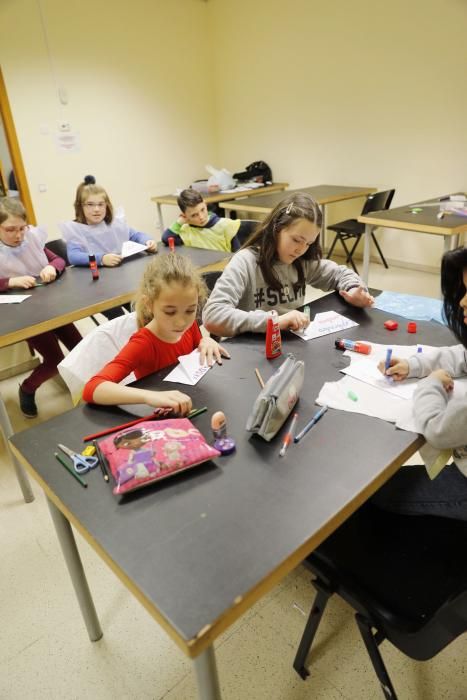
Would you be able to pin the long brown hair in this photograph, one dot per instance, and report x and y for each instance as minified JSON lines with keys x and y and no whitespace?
{"x":263,"y":240}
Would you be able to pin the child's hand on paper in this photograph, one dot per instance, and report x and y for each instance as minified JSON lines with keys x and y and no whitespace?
{"x":358,"y":296}
{"x":176,"y":400}
{"x":445,"y":378}
{"x":398,"y":369}
{"x":151,"y":246}
{"x":210,"y":352}
{"x":111,"y":260}
{"x":48,"y":273}
{"x":25,"y":282}
{"x":293,"y":321}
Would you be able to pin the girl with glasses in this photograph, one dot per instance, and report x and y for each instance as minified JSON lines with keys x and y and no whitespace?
{"x":25,"y":261}
{"x":98,"y":230}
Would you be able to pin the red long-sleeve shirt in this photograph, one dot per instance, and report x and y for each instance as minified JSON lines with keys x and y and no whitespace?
{"x":143,"y":354}
{"x":55,"y":260}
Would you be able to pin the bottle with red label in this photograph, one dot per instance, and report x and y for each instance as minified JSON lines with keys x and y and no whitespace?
{"x":273,"y":337}
{"x":93,"y":266}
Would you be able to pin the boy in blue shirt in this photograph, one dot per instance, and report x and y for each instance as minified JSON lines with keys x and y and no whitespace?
{"x":198,"y":228}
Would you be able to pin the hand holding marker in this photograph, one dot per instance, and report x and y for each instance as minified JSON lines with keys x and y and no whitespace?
{"x":387,"y":364}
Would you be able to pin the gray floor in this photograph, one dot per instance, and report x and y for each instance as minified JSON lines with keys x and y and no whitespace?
{"x":45,"y":652}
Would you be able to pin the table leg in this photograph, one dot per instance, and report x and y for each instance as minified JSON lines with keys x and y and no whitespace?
{"x":366,"y":253}
{"x":159,"y":216}
{"x":206,"y":675}
{"x":76,"y":571}
{"x":450,"y":242}
{"x":20,"y":473}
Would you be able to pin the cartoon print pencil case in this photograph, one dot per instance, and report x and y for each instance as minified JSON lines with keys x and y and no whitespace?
{"x":151,"y":451}
{"x":275,"y":402}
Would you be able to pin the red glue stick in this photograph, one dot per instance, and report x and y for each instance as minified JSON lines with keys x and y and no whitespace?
{"x":273,"y":337}
{"x":172,"y":244}
{"x":93,"y":266}
{"x":354,"y":345}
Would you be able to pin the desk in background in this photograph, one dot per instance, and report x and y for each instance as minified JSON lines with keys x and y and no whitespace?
{"x":200,"y":549}
{"x":74,"y":296}
{"x":216,"y":198}
{"x":425,"y":221}
{"x":323,"y":194}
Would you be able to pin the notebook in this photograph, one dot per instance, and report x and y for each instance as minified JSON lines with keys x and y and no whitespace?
{"x":153,"y":450}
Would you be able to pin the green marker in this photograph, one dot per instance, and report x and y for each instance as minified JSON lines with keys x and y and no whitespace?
{"x":352,"y":396}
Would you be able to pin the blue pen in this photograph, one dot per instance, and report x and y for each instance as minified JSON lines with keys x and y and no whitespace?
{"x":387,"y":363}
{"x":419,"y":348}
{"x":309,"y":425}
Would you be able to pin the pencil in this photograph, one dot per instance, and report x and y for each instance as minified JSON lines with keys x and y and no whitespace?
{"x":102,"y":463}
{"x":71,"y":470}
{"x":94,"y":436}
{"x":197,"y":411}
{"x":259,"y":378}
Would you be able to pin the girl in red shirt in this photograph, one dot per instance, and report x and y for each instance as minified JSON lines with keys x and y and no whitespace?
{"x":166,"y":306}
{"x":24,"y":262}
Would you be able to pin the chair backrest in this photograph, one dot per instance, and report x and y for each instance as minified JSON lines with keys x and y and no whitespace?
{"x":379,"y":201}
{"x":247,"y":226}
{"x":93,"y":352}
{"x":58,"y":246}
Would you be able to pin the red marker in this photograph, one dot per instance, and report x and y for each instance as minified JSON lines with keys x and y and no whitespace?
{"x":172,"y":244}
{"x":354,"y":345}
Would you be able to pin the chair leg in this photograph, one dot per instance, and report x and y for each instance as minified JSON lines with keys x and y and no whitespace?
{"x":371,"y":642}
{"x":333,"y":245}
{"x":379,"y":250}
{"x":319,"y":604}
{"x":348,"y":255}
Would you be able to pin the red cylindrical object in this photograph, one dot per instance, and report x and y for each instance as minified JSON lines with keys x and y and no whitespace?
{"x":172,"y":243}
{"x":273,"y":338}
{"x":411,"y":327}
{"x":93,"y":266}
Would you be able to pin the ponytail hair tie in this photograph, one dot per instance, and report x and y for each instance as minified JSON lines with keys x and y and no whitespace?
{"x":89,"y":180}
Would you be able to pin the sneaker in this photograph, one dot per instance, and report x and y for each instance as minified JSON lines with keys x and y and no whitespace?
{"x":27,"y":404}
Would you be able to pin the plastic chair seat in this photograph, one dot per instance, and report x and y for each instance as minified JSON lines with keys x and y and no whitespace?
{"x":405,"y":576}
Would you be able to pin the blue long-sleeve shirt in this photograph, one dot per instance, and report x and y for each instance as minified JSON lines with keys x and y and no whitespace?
{"x":78,"y":256}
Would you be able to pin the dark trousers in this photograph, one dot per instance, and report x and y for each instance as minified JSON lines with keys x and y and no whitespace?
{"x":47,"y":345}
{"x":411,"y":491}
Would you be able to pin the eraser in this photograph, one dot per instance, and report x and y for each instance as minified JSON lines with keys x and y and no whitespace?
{"x":391,"y":325}
{"x":411,"y":327}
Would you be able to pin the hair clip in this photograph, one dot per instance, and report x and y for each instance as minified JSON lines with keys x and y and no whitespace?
{"x":289,"y":208}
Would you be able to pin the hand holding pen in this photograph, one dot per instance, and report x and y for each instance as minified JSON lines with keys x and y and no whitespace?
{"x":397,"y":369}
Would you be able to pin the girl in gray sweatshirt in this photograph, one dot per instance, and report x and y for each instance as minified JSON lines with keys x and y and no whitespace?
{"x":272,"y":270}
{"x":440,"y":417}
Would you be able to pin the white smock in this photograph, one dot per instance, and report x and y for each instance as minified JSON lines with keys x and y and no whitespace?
{"x":28,"y":258}
{"x":97,"y":238}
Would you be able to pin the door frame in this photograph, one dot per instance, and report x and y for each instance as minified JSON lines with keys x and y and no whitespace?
{"x":15,"y":153}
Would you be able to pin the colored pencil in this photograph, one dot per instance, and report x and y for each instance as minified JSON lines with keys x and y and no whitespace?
{"x":102,"y":462}
{"x":197,"y":411}
{"x":94,"y":436}
{"x":71,"y":470}
{"x":259,"y":378}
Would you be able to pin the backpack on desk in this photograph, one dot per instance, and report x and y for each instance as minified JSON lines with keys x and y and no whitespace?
{"x":258,"y":171}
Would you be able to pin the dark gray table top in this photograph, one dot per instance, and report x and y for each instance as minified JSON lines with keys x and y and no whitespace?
{"x":75,"y":295}
{"x":202,"y":547}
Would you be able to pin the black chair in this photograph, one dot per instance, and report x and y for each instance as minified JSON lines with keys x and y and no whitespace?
{"x":406,"y":578}
{"x":247,"y":226}
{"x":58,"y":246}
{"x":351,"y":228}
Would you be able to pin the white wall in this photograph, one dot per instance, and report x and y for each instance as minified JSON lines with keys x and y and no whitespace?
{"x":360,"y":93}
{"x":135,"y":73}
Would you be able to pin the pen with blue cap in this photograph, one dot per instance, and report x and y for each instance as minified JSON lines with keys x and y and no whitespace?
{"x":312,"y":422}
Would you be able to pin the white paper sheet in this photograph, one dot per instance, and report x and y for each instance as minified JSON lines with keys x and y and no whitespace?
{"x":132,"y":247}
{"x":13,"y":298}
{"x":189,"y":371}
{"x":325,"y":323}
